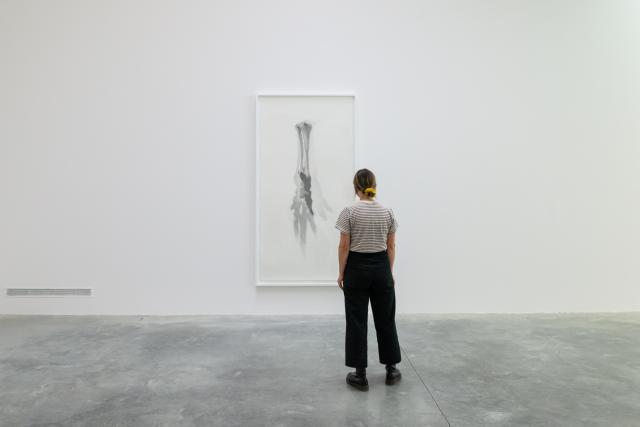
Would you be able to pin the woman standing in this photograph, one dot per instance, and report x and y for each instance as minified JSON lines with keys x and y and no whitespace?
{"x":366,"y":254}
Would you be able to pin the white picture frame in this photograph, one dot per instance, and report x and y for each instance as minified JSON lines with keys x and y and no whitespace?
{"x":275,"y":113}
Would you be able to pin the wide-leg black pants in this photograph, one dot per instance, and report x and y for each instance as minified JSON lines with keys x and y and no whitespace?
{"x":368,"y":276}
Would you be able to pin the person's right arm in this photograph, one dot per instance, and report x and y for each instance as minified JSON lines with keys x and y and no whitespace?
{"x":343,"y":254}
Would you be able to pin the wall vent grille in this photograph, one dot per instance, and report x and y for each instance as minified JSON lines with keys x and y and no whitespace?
{"x":51,"y":292}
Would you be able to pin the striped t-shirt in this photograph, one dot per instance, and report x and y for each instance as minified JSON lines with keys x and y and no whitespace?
{"x":368,"y":223}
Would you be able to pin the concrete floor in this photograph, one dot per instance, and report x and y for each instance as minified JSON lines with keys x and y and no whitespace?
{"x":483,"y":370}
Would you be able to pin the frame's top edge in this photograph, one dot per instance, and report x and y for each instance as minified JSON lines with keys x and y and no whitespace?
{"x":266,"y":94}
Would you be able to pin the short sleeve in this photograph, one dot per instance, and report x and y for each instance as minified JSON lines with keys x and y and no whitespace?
{"x":343,"y":223}
{"x":393,"y":223}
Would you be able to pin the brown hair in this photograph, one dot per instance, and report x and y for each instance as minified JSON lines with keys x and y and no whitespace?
{"x":365,"y":179}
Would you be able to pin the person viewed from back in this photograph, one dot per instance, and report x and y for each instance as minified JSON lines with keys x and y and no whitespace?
{"x":366,"y":254}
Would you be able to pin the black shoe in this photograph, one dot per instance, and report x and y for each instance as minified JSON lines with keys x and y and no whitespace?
{"x":358,"y":380}
{"x":393,"y":375}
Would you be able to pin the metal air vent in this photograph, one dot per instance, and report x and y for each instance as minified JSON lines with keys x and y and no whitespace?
{"x":44,"y":292}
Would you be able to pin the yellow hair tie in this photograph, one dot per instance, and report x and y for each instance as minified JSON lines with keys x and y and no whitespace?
{"x":370,"y":190}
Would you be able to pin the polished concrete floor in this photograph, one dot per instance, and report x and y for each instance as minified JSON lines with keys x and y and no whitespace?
{"x":480,"y":370}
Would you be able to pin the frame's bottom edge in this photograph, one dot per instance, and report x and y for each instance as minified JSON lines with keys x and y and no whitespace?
{"x":295,"y":284}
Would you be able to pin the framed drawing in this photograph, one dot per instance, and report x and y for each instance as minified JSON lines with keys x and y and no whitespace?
{"x":305,"y":161}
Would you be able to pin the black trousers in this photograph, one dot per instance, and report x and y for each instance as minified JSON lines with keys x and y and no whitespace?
{"x":368,"y":276}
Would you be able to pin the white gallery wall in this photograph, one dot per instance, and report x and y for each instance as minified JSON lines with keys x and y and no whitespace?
{"x":504,"y":134}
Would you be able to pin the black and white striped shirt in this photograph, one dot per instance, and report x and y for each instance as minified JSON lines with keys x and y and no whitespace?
{"x":368,"y":223}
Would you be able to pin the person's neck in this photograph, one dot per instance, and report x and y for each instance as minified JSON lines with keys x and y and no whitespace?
{"x":366,"y":199}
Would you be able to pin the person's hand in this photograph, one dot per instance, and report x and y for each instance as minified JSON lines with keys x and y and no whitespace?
{"x":341,"y":280}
